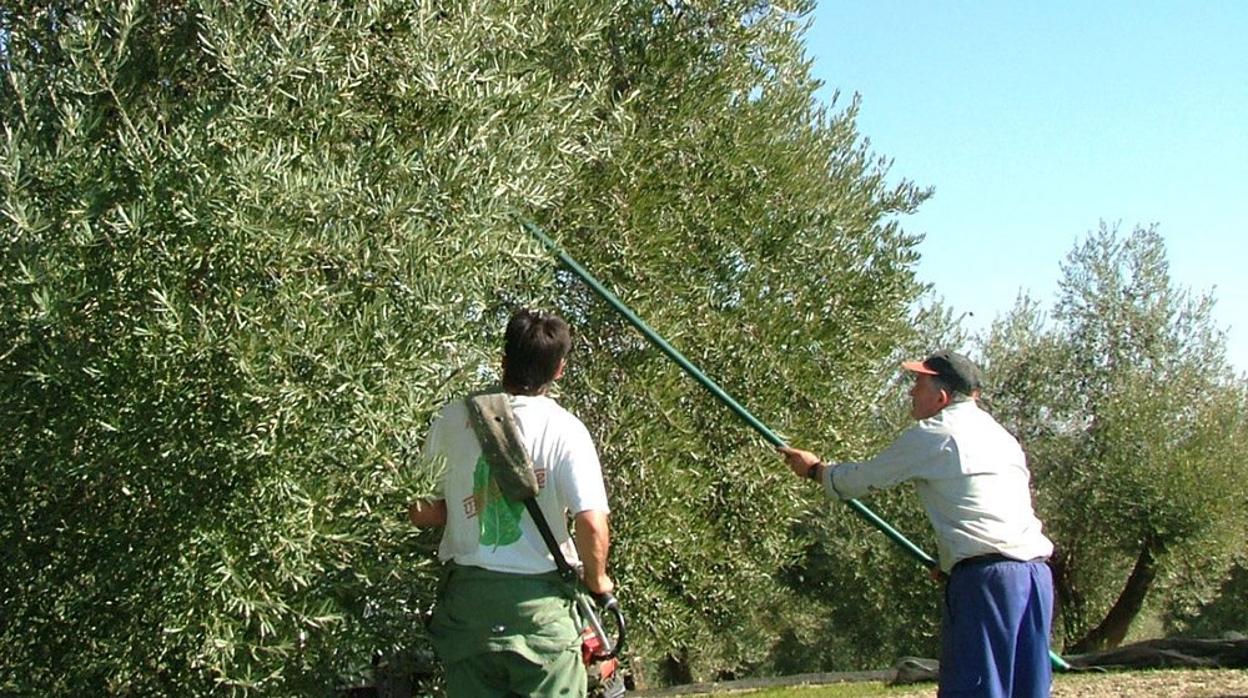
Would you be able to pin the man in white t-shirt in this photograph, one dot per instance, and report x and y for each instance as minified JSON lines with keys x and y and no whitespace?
{"x":505,"y":621}
{"x":971,"y":476}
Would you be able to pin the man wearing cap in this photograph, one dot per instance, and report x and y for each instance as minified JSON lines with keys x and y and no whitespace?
{"x":972,"y":479}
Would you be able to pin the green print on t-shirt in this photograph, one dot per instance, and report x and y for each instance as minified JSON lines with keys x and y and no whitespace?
{"x":499,"y":517}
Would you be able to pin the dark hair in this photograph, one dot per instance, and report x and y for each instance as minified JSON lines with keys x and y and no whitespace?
{"x":952,"y":387}
{"x":533,"y":346}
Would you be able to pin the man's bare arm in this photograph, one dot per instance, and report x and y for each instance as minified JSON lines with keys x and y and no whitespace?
{"x":593,"y":538}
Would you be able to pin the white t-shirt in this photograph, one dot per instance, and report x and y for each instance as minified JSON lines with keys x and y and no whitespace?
{"x":483,"y":529}
{"x":971,"y":476}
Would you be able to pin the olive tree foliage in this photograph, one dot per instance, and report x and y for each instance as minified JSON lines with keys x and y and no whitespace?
{"x":249,"y":248}
{"x":756,"y":232}
{"x":877,"y":603}
{"x":1134,"y":424}
{"x":1220,"y":613}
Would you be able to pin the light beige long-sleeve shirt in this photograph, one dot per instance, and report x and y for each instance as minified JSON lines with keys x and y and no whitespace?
{"x":971,"y":477}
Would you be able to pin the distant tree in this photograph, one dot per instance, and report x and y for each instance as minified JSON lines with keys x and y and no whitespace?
{"x":1133,"y":422}
{"x":1222,"y":613}
{"x":246,"y":249}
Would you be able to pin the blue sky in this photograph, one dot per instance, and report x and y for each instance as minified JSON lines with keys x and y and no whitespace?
{"x":1035,"y":121}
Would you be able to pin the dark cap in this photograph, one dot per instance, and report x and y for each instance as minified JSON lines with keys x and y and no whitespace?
{"x":958,"y":371}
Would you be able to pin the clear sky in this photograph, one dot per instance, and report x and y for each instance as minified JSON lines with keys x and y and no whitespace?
{"x":1034,"y":121}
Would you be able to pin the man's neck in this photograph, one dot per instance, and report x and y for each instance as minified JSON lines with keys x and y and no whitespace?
{"x":524,"y":393}
{"x":961,"y":400}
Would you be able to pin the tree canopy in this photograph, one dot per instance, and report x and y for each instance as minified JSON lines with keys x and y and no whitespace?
{"x":1134,"y":423}
{"x":249,"y":249}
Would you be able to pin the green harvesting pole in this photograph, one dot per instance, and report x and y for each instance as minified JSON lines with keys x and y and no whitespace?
{"x":671,"y":352}
{"x":709,"y":384}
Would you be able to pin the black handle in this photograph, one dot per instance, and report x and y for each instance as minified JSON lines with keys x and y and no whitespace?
{"x":609,"y":603}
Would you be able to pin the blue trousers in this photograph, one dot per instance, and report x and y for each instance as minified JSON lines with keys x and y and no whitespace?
{"x":995,"y":630}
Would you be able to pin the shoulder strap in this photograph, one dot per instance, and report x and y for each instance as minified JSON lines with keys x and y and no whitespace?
{"x":494,"y":423}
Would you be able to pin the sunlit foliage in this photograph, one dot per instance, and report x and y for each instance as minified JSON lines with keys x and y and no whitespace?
{"x":248,"y":248}
{"x":1135,"y":425}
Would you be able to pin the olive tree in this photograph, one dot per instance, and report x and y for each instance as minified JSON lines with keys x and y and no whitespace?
{"x":1133,"y":422}
{"x":249,"y":248}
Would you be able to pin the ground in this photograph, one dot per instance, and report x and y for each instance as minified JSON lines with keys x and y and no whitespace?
{"x":1156,"y":684}
{"x":1168,"y":683}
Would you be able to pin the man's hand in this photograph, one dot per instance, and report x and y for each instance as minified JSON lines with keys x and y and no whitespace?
{"x":799,"y":461}
{"x":600,"y":585}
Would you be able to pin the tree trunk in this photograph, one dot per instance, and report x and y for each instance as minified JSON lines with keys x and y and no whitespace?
{"x":1063,"y":588}
{"x":1113,"y":629}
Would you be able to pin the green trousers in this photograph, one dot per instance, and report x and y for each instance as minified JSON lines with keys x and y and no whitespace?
{"x":501,"y":634}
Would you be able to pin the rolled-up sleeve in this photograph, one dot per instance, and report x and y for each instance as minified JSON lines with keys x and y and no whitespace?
{"x":908,"y":457}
